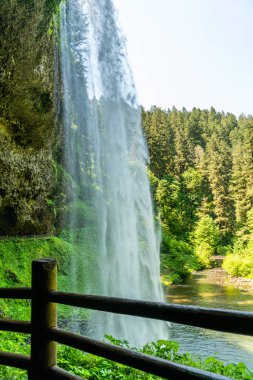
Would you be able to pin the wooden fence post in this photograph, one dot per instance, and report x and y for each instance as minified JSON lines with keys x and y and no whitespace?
{"x":44,"y":316}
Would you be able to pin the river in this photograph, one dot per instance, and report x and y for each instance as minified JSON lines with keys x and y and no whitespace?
{"x":210,"y":288}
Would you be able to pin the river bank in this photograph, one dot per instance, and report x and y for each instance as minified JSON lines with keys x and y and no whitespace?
{"x":213,"y":288}
{"x":244,"y":284}
{"x":220,"y":277}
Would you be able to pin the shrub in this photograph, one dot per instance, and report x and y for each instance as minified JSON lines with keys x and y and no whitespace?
{"x":177,"y":260}
{"x":205,"y":238}
{"x":239,"y":265}
{"x":203,"y":252}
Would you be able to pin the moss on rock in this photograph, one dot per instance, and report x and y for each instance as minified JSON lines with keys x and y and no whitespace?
{"x":28,"y":135}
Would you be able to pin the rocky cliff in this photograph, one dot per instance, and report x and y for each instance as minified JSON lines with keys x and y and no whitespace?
{"x":28,"y":173}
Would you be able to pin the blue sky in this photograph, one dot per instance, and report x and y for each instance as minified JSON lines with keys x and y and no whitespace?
{"x":192,"y":53}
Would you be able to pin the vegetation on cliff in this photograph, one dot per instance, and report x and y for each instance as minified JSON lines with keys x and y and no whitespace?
{"x":27,"y":117}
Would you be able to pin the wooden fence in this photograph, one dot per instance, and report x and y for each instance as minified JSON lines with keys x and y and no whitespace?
{"x":42,"y":364}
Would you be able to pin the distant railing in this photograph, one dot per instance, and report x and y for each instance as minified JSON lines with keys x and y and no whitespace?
{"x":42,"y":364}
{"x":12,"y":237}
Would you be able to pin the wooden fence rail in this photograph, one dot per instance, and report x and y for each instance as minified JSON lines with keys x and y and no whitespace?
{"x":42,"y":364}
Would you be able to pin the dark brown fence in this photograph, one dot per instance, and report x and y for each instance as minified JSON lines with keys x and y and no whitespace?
{"x":42,"y":364}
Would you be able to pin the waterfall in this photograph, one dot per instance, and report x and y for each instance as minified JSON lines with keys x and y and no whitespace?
{"x":105,"y":170}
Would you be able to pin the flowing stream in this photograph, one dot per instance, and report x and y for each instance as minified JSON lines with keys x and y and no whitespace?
{"x":107,"y":189}
{"x":208,"y":289}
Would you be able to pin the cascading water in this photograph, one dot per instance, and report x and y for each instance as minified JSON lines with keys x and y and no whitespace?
{"x":105,"y":158}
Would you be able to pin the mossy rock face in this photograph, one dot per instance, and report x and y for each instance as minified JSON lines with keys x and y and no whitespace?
{"x":27,"y":70}
{"x":28,"y":133}
{"x":27,"y":182}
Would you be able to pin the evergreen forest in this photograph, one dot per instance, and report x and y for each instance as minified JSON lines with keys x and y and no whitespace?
{"x":201,"y":173}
